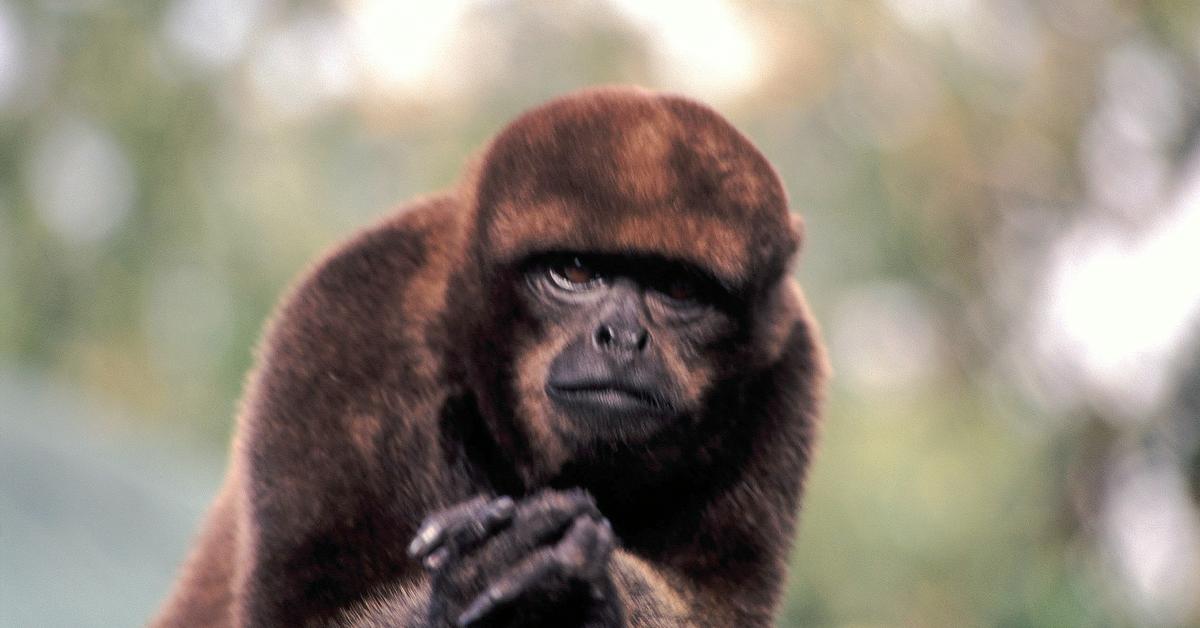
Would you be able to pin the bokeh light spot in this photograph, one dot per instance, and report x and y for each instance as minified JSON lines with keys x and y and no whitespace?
{"x":81,"y":181}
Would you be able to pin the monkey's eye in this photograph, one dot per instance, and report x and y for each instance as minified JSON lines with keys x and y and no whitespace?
{"x":681,"y":290}
{"x":572,"y":274}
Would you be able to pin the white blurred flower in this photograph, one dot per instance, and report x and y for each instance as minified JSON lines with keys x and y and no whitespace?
{"x":212,"y":34}
{"x":703,"y":46}
{"x":931,"y":15}
{"x":403,"y":46}
{"x":1150,"y":525}
{"x":1115,"y":309}
{"x":80,"y":180}
{"x":303,"y":67}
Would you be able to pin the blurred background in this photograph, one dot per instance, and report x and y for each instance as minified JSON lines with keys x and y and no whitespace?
{"x":1003,"y":210}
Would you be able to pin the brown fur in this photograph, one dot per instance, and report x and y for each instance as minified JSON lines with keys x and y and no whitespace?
{"x":659,"y":174}
{"x":396,"y":379}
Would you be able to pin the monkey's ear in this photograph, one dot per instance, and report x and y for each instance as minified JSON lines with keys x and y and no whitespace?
{"x":797,"y":228}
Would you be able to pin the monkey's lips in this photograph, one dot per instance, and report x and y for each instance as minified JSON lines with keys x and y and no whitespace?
{"x":603,"y":398}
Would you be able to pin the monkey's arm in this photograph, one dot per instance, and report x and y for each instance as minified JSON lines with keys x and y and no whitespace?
{"x":203,"y":596}
{"x":400,"y":606}
{"x":654,"y":598}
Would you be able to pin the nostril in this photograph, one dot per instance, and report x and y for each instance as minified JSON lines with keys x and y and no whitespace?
{"x":604,"y":335}
{"x":643,"y":339}
{"x":610,"y":338}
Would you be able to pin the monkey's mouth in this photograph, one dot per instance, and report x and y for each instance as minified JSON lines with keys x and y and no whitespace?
{"x":608,"y":398}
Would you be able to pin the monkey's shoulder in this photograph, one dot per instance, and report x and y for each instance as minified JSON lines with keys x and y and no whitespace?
{"x":364,"y":313}
{"x":399,"y":254}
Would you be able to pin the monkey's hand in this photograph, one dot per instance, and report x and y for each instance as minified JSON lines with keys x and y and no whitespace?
{"x":542,"y":561}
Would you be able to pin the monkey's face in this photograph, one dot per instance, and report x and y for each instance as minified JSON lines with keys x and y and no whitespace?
{"x":620,"y":346}
{"x":604,"y":231}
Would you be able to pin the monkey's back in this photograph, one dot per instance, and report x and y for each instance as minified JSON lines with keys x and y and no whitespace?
{"x":346,"y":395}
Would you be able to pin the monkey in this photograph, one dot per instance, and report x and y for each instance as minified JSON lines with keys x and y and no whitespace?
{"x":579,"y":388}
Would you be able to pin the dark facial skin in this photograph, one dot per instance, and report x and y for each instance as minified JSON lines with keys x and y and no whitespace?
{"x":636,"y":328}
{"x":636,"y":335}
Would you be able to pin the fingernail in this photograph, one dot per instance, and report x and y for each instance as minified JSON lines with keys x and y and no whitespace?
{"x":424,"y":539}
{"x":503,"y":507}
{"x":437,"y":559}
{"x":474,"y":613}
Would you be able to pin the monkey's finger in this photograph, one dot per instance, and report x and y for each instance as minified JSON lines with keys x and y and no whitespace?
{"x":460,"y":526}
{"x":581,"y":555}
{"x":535,"y":521}
{"x":429,"y":535}
{"x":466,"y":534}
{"x":510,"y":586}
{"x":464,"y":529}
{"x":591,"y":543}
{"x":548,"y":513}
{"x":606,"y":542}
{"x":584,"y":550}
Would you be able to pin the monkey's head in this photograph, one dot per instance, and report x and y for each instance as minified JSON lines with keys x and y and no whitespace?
{"x":628,"y":252}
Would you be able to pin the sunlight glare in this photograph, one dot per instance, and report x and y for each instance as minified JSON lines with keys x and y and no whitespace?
{"x":402,"y":43}
{"x":1118,"y":309}
{"x":704,"y":46}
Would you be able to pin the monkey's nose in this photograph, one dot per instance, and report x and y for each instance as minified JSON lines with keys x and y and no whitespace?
{"x":621,"y":337}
